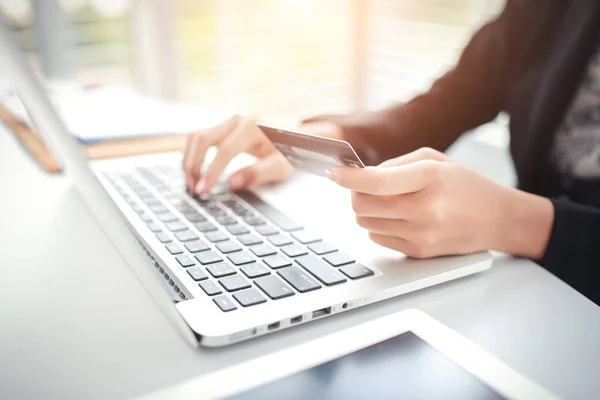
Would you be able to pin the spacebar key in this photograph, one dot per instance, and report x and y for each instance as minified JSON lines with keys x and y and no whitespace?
{"x":276,"y":216}
{"x":325,"y":273}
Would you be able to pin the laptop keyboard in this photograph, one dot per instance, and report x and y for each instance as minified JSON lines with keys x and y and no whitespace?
{"x":240,"y":250}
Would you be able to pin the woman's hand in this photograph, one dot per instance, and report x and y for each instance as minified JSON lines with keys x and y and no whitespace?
{"x":424,"y":205}
{"x":237,"y":135}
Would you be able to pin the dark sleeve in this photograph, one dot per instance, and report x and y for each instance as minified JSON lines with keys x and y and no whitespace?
{"x":465,"y":97}
{"x":573,"y":253}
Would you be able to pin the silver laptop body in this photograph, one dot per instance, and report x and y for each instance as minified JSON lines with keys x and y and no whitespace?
{"x":214,"y":279}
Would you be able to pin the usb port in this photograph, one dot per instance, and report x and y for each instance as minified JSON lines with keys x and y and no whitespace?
{"x":272,"y":326}
{"x":295,"y":320}
{"x":322,"y":312}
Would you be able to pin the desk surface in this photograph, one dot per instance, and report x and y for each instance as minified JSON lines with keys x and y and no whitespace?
{"x":76,"y":323}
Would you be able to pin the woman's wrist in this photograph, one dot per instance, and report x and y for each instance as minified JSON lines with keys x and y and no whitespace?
{"x":525,"y":224}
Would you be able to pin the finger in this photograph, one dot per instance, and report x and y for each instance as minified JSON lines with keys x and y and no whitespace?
{"x":406,"y":247}
{"x":197,"y":146}
{"x":394,"y":243}
{"x":187,"y":154}
{"x":401,"y":179}
{"x":398,"y":228}
{"x":232,"y":145}
{"x":424,"y":153}
{"x":404,"y":206}
{"x":271,"y":169}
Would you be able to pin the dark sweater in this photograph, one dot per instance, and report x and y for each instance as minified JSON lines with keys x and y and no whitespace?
{"x":528,"y":62}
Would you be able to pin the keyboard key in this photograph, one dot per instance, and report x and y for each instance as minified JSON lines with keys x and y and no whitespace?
{"x":322,"y":271}
{"x":154,"y":227}
{"x":145,"y":217}
{"x":228,"y":247}
{"x":196,"y":273}
{"x":254,"y":270}
{"x":175,"y":200}
{"x":294,"y":250}
{"x":249,"y":297}
{"x":249,"y":239}
{"x":226,"y":220}
{"x":356,"y":271}
{"x":274,"y":287}
{"x":338,"y":258}
{"x":137,"y":209}
{"x":233,"y":283}
{"x":278,"y":218}
{"x":299,"y":279}
{"x":216,"y":236}
{"x":189,"y":210}
{"x":230,"y":203}
{"x":321,"y":248}
{"x":279,"y":240}
{"x":163,"y":237}
{"x":166,"y":217}
{"x":241,"y":258}
{"x":221,"y":269}
{"x":262,"y":250}
{"x":224,"y":303}
{"x":205,"y":227}
{"x":196,"y":246}
{"x":150,"y":200}
{"x":208,"y":257}
{"x":185,"y":261}
{"x":277,"y":261}
{"x":253,"y":220}
{"x":305,"y":237}
{"x":210,"y":288}
{"x":214,"y":211}
{"x":173,"y":249}
{"x":176,"y":226}
{"x":266,"y":230}
{"x":186,"y":236}
{"x":241,"y":211}
{"x":237,"y":229}
{"x":194,"y":217}
{"x":184,"y":208}
{"x":158,"y":208}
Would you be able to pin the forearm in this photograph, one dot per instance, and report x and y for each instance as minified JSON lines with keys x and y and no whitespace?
{"x":524,"y":224}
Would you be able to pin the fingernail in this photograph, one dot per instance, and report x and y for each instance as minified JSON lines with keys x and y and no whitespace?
{"x":201,"y":186}
{"x":236,"y":182}
{"x":330,"y":174}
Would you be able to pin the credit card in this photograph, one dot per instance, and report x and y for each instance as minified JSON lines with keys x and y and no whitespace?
{"x":311,"y":153}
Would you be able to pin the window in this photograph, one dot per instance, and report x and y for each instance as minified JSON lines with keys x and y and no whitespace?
{"x":276,"y":59}
{"x":410,"y":43}
{"x":271,"y":58}
{"x":85,"y":40}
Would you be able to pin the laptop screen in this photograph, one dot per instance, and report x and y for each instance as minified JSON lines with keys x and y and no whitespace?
{"x":402,"y":367}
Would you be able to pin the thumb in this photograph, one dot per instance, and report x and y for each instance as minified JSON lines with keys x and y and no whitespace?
{"x":270,"y":169}
{"x":424,"y":153}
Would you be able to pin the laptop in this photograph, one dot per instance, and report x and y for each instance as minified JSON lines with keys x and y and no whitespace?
{"x":227,"y":266}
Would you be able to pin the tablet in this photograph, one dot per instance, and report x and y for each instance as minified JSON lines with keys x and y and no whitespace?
{"x":407,"y":355}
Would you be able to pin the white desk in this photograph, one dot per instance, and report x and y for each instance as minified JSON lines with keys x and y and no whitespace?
{"x":75,"y":323}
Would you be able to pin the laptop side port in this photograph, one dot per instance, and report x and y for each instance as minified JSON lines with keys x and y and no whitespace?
{"x":273,"y":326}
{"x":321,"y":313}
{"x":296,"y":320}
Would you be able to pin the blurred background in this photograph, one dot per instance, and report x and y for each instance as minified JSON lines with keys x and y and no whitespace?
{"x":277,"y":59}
